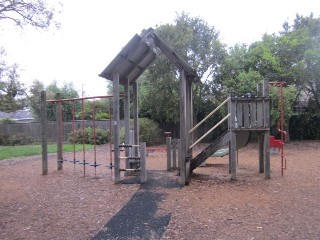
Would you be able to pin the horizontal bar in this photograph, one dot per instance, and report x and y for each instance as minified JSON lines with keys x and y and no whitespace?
{"x":82,"y":98}
{"x":129,"y":169}
{"x":128,"y":145}
{"x":209,"y":115}
{"x":215,"y":126}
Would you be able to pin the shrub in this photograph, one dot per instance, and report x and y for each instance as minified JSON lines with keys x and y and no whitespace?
{"x":18,"y":139}
{"x":305,"y":126}
{"x":149,"y":131}
{"x":100,"y":116}
{"x":6,"y":120}
{"x":102,"y":136}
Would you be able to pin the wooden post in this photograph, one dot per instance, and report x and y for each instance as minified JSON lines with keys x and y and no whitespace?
{"x":169,"y":165}
{"x":261,"y":152}
{"x":44,"y":145}
{"x":143,"y":163}
{"x":127,"y":118}
{"x":189,"y":125}
{"x":233,"y":142}
{"x":136,"y":117}
{"x":266,"y":154}
{"x":182,"y":147}
{"x":174,"y":154}
{"x":59,"y":130}
{"x":233,"y":156}
{"x":116,"y":122}
{"x":267,"y":132}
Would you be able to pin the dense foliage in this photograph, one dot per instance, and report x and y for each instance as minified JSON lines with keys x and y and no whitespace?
{"x":291,"y":56}
{"x":305,"y":126}
{"x":88,"y":136}
{"x":14,"y":140}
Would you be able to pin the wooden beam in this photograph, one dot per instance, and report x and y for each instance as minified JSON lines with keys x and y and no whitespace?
{"x":135,"y":117}
{"x":127,"y":118}
{"x":183,"y":148}
{"x":44,"y":144}
{"x":59,"y":131}
{"x":143,"y":163}
{"x":116,"y":128}
{"x":168,"y":143}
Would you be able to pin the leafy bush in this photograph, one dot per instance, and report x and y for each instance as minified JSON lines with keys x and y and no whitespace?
{"x":6,"y":120}
{"x":18,"y":139}
{"x":102,"y":136}
{"x":100,"y":116}
{"x":305,"y":127}
{"x":149,"y":131}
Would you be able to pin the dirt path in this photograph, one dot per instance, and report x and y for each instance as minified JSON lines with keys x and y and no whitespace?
{"x":67,"y":205}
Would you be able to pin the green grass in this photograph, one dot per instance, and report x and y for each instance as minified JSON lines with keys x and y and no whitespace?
{"x":30,"y":150}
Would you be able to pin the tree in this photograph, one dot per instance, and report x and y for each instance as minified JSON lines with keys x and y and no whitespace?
{"x":101,"y":107}
{"x":299,"y":52}
{"x":36,"y":13}
{"x":34,"y":97}
{"x":67,"y":91}
{"x":199,"y":45}
{"x":11,"y":89}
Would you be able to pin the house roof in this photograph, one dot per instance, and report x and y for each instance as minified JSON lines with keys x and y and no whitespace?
{"x":138,"y":55}
{"x":20,"y":115}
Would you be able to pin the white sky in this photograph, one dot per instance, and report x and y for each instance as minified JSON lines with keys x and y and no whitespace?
{"x":93,"y":32}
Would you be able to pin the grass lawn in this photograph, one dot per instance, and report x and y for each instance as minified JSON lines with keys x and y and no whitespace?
{"x":30,"y":150}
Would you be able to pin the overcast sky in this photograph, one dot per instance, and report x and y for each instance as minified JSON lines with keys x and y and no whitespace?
{"x":93,"y":32}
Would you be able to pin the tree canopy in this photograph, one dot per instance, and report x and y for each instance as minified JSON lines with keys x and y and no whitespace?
{"x":290,"y":56}
{"x":36,"y":13}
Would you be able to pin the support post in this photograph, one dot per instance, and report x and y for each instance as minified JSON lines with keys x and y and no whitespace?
{"x":59,"y":132}
{"x":267,"y":133}
{"x":116,"y":121}
{"x":233,"y":155}
{"x":169,"y":165}
{"x":189,"y":125}
{"x":233,"y":141}
{"x":143,"y":163}
{"x":174,"y":154}
{"x":266,"y":150}
{"x":182,"y":147}
{"x":44,"y":143}
{"x":135,"y":117}
{"x":127,"y":118}
{"x":261,"y":152}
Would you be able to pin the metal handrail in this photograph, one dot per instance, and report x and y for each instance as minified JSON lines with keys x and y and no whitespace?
{"x":209,"y":115}
{"x":215,"y":126}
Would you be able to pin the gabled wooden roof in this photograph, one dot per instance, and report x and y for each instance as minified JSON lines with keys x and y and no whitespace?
{"x":139,"y":53}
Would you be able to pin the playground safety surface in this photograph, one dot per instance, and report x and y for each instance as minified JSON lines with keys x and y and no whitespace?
{"x":67,"y":205}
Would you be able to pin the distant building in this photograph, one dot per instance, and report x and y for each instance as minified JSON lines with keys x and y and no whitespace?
{"x":20,"y":116}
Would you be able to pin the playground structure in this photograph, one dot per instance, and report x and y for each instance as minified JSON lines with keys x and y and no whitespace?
{"x":246,"y":114}
{"x":76,"y":160}
{"x":279,"y":144}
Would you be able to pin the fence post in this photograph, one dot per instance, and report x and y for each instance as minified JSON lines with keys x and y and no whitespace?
{"x":43,"y":109}
{"x":59,"y":130}
{"x":143,"y":163}
{"x":168,"y":141}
